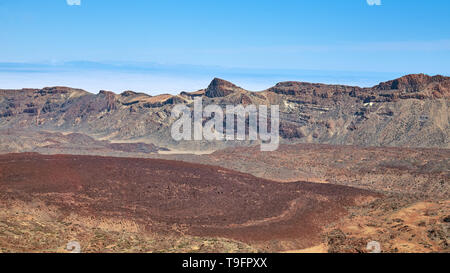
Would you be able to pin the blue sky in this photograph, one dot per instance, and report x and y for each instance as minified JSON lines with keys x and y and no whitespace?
{"x":168,"y":46}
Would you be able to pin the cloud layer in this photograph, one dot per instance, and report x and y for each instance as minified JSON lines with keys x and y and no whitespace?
{"x":73,"y":2}
{"x":374,"y":2}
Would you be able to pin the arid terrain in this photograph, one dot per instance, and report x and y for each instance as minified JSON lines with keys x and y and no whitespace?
{"x":411,"y":216}
{"x":394,"y":170}
{"x":153,"y":205}
{"x":355,"y":165}
{"x":166,"y":198}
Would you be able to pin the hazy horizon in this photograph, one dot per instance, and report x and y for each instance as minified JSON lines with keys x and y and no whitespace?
{"x":155,"y":79}
{"x":168,"y":47}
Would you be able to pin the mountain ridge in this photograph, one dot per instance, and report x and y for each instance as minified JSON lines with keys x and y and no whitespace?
{"x":410,"y":111}
{"x":412,"y":79}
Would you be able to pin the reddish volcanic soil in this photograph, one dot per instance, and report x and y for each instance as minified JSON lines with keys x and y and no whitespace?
{"x":170,"y":197}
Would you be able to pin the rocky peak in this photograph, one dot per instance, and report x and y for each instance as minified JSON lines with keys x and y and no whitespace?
{"x":108,"y":98}
{"x":412,"y":82}
{"x":221,"y":88}
{"x":128,"y":93}
{"x":106,"y":93}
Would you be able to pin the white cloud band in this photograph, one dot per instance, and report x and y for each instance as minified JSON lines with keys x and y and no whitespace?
{"x":73,"y":2}
{"x":374,"y":2}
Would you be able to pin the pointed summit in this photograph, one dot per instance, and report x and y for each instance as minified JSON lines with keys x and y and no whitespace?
{"x":221,"y":88}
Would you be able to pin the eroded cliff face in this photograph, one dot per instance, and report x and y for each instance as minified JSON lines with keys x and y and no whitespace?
{"x":410,"y":111}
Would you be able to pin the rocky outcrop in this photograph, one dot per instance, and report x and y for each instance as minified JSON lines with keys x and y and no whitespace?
{"x":221,"y":88}
{"x":423,"y":85}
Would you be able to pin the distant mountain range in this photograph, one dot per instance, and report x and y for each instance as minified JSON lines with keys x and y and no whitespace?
{"x":411,"y":111}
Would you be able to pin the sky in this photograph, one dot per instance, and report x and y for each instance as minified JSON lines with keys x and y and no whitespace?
{"x":170,"y":46}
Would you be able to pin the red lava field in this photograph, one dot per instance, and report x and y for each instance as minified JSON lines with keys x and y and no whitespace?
{"x":170,"y":197}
